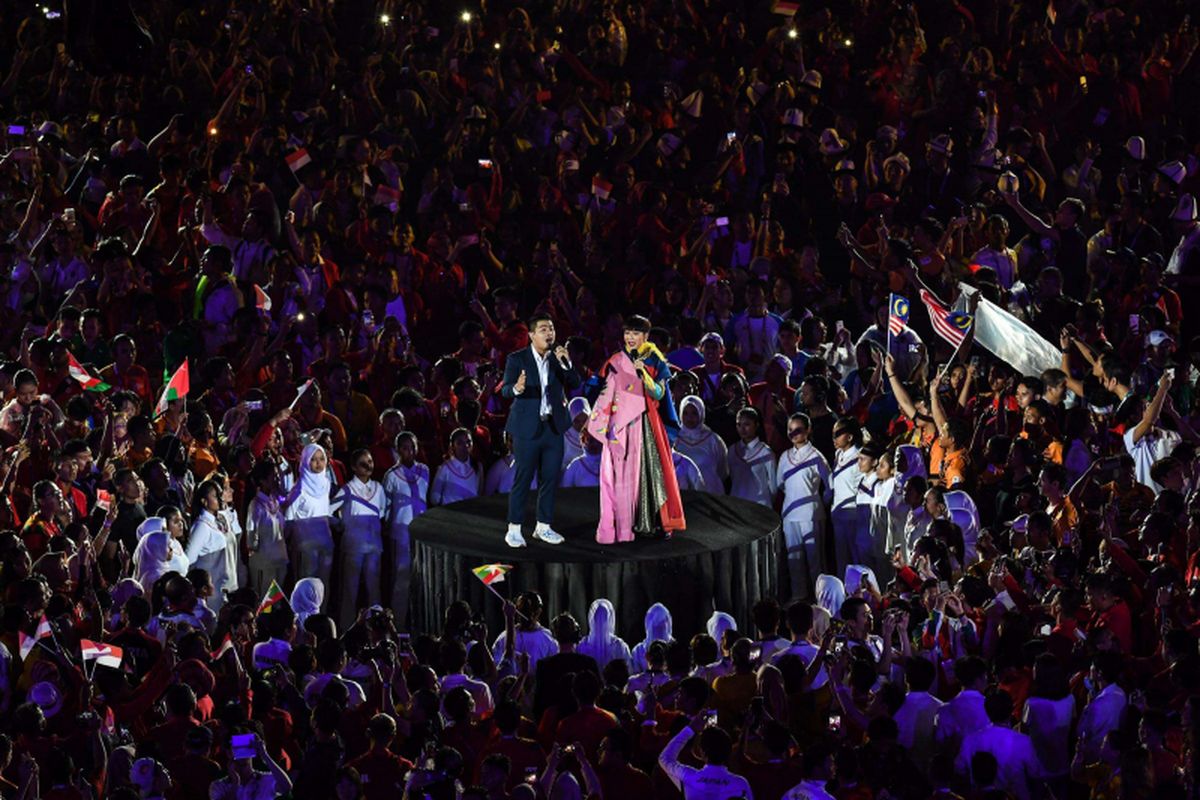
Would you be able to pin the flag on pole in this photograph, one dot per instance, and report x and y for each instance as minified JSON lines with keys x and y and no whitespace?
{"x":300,"y":393}
{"x":86,"y":379}
{"x":601,"y":188}
{"x":25,"y":644}
{"x":272,"y":598}
{"x":175,"y":389}
{"x":897,"y":314}
{"x":1011,"y":340}
{"x":105,"y":655}
{"x":298,"y":159}
{"x":952,"y":326}
{"x":226,"y":646}
{"x":491,"y":573}
{"x":262,"y":300}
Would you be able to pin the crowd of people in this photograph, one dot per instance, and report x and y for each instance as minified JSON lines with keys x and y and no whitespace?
{"x":262,"y":264}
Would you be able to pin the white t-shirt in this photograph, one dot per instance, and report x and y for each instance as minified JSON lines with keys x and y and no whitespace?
{"x":1156,"y":444}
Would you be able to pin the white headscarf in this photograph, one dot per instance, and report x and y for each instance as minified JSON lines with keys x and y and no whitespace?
{"x":658,"y":628}
{"x":602,"y":642}
{"x":965,"y":515}
{"x":857,"y":575}
{"x":718,"y":623}
{"x":572,"y":447}
{"x":307,"y":597}
{"x":831,"y":593}
{"x":151,"y":558}
{"x":310,"y":496}
{"x":697,"y":434}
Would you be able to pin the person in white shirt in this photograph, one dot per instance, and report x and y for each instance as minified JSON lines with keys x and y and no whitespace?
{"x":1048,"y":714}
{"x":916,"y":716}
{"x":1107,"y":706}
{"x":1146,"y":441}
{"x":206,"y":541}
{"x":964,"y":714}
{"x":531,"y":637}
{"x":713,"y":781}
{"x":850,"y":527}
{"x":658,"y":625}
{"x":818,"y":768}
{"x":889,"y":511}
{"x":1019,"y":765}
{"x":698,"y":442}
{"x":264,"y":530}
{"x":406,"y":486}
{"x":751,"y":462}
{"x":804,"y":480}
{"x":453,"y":657}
{"x":602,"y":642}
{"x":458,"y":477}
{"x":687,"y":474}
{"x":584,"y":470}
{"x":362,"y":503}
{"x":308,"y":514}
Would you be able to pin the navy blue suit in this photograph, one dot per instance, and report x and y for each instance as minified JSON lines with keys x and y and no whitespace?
{"x":537,"y":442}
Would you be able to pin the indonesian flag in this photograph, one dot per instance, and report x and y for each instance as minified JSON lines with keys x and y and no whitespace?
{"x":262,"y":300}
{"x":272,"y":598}
{"x":788,"y":8}
{"x":297,"y":159}
{"x":176,"y":388}
{"x":601,"y":188}
{"x":386,"y":196}
{"x":105,"y":655}
{"x":301,"y":392}
{"x":950,"y":325}
{"x":86,"y":379}
{"x":226,"y":646}
{"x":491,"y":573}
{"x":27,"y":643}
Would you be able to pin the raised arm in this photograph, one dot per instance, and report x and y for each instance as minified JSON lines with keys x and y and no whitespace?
{"x":903,"y":399}
{"x":1152,"y":412}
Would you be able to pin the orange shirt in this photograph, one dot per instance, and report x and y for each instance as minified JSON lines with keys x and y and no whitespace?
{"x":1063,"y":518}
{"x":954,"y":469}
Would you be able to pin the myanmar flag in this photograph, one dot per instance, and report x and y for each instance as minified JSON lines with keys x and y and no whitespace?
{"x":491,"y":573}
{"x":176,"y":388}
{"x":272,"y":598}
{"x":86,"y":379}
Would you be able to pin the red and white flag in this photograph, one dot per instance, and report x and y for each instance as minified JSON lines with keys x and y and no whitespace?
{"x":946,"y":323}
{"x":105,"y":655}
{"x":27,"y":643}
{"x":262,"y":300}
{"x":298,"y":159}
{"x":85,"y":378}
{"x":175,"y":389}
{"x":226,"y":646}
{"x":300,"y":392}
{"x":601,"y":188}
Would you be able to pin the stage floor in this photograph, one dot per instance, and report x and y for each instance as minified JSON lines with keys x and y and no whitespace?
{"x":726,"y":560}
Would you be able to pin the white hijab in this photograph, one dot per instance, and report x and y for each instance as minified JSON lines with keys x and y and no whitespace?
{"x":697,"y":435}
{"x":307,"y":597}
{"x":831,"y":593}
{"x":658,"y":628}
{"x":718,"y":623}
{"x":602,"y":642}
{"x":572,"y":448}
{"x":310,"y":496}
{"x":151,"y":558}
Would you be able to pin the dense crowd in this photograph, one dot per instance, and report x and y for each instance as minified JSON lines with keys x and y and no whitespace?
{"x":261,"y":264}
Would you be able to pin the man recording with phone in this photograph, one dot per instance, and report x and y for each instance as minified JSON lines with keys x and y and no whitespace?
{"x":534,"y":379}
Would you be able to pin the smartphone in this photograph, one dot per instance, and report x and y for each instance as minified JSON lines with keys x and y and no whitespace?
{"x":103,"y":500}
{"x":722,"y":222}
{"x":485,"y":163}
{"x":464,"y":206}
{"x":249,"y":69}
{"x":1045,"y":630}
{"x":68,"y":216}
{"x":982,"y":94}
{"x":976,"y":364}
{"x":254,"y":405}
{"x":731,"y":137}
{"x":835,"y":723}
{"x":1133,"y":322}
{"x":710,"y":719}
{"x":16,"y":130}
{"x":1083,"y":83}
{"x":838,"y":328}
{"x":913,"y":348}
{"x":943,"y":586}
{"x":531,"y":776}
{"x":243,"y":745}
{"x":755,"y":654}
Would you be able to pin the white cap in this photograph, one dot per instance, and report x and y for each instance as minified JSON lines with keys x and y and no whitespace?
{"x":1185,"y":209}
{"x":1173,"y":171}
{"x":1135,"y":146}
{"x":692,"y":104}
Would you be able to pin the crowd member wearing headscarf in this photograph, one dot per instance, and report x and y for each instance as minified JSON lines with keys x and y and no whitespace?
{"x":308,"y":515}
{"x":579,"y":410}
{"x":658,"y":629}
{"x":307,"y":598}
{"x":698,"y":442}
{"x":206,"y":540}
{"x":151,"y":559}
{"x":601,"y":641}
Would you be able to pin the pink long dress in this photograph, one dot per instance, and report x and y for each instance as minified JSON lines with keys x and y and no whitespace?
{"x":616,"y":422}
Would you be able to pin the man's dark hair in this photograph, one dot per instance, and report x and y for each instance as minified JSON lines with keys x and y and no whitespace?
{"x":851,"y":606}
{"x":998,"y":705}
{"x":716,"y":746}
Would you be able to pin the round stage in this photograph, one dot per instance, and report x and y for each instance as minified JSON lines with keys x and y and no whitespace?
{"x":728,"y":558}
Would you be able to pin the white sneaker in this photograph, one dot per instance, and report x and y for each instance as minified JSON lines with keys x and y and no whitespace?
{"x":547,"y":535}
{"x":514,"y":538}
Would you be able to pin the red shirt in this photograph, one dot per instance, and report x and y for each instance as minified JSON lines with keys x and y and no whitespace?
{"x":1116,"y":619}
{"x":382,"y":774}
{"x":586,"y":726}
{"x":523,"y":754}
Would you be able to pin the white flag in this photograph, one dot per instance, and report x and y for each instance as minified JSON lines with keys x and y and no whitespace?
{"x":1011,"y":340}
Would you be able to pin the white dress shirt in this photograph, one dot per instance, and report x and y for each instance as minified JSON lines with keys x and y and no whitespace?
{"x":960,"y":717}
{"x":1019,"y":765}
{"x":1102,"y":715}
{"x":915,"y":719}
{"x":543,"y":368}
{"x":1049,"y":725}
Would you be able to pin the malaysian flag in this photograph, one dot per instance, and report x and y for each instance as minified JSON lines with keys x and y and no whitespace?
{"x":897,"y":314}
{"x":952,"y":326}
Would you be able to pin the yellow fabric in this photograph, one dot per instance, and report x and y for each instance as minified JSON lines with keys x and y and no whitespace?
{"x":653,"y":388}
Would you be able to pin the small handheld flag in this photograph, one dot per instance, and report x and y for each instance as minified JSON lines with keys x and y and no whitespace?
{"x":897,"y":314}
{"x":491,"y":573}
{"x":105,"y":655}
{"x":601,"y":188}
{"x":262,"y":300}
{"x":952,"y":326}
{"x":272,"y":598}
{"x":175,"y":389}
{"x":85,"y":379}
{"x":26,"y":644}
{"x":298,"y":159}
{"x":300,"y":393}
{"x":226,"y":646}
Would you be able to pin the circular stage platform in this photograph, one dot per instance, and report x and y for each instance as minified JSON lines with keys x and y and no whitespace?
{"x":728,"y":558}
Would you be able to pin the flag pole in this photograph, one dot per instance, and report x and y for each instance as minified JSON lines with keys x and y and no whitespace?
{"x":503,"y":599}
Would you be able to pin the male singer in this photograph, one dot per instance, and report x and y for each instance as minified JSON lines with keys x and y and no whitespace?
{"x":534,"y":378}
